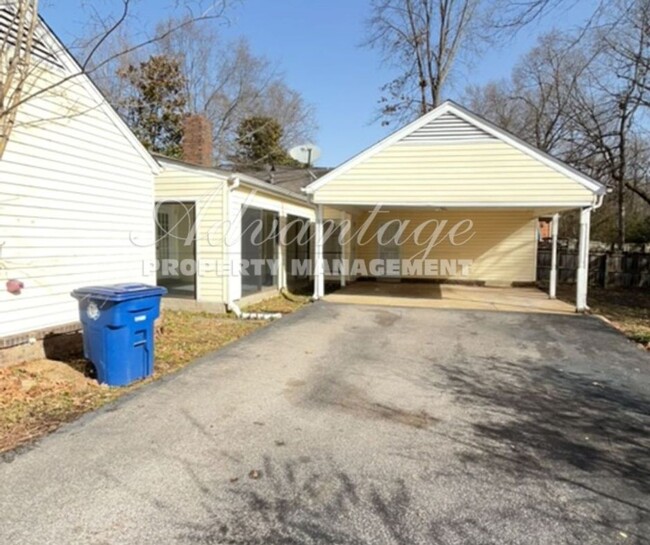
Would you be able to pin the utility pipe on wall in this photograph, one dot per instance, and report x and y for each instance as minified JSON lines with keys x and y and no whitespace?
{"x":233,"y":183}
{"x":552,"y":290}
{"x":582,"y":274}
{"x":234,"y":308}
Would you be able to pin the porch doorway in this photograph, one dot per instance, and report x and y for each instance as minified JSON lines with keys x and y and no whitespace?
{"x":298,"y":253}
{"x":176,"y":248}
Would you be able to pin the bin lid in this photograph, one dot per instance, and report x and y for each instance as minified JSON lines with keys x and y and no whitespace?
{"x":119,"y":292}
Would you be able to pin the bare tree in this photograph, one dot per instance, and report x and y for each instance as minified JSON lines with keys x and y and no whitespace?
{"x":608,"y":106}
{"x":539,"y":96}
{"x":20,"y":37}
{"x":544,"y":84}
{"x":17,"y":28}
{"x":228,"y":83}
{"x":422,"y":39}
{"x":514,"y":15}
{"x":584,"y":97}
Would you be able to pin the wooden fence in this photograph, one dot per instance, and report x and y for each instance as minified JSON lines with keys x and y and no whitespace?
{"x":606,"y":269}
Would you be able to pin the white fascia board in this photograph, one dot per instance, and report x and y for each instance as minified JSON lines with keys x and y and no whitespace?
{"x":173,"y":165}
{"x":277,"y":192}
{"x":175,"y":200}
{"x":73,"y":68}
{"x":481,"y":205}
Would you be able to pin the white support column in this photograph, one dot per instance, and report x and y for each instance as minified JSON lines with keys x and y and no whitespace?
{"x":582,"y":276}
{"x":319,"y":277}
{"x":344,"y":252}
{"x":282,"y":251}
{"x":552,"y":289}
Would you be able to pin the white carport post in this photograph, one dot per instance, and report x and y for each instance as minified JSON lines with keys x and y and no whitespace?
{"x":282,"y":251}
{"x":582,"y":276}
{"x":319,"y":273}
{"x":552,"y":289}
{"x":344,"y":252}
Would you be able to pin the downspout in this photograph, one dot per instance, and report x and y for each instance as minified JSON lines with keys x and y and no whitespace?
{"x":231,"y":306}
{"x":599,"y":201}
{"x":581,"y":301}
{"x":232,"y":183}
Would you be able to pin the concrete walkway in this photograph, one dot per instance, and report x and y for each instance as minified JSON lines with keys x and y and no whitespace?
{"x":449,"y":296}
{"x":360,"y":425}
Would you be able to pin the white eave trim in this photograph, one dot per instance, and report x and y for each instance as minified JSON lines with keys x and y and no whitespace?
{"x":450,"y":107}
{"x":275,"y":191}
{"x":370,"y":203}
{"x":171,"y":164}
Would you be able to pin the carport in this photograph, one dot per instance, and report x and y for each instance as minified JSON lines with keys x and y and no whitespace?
{"x":451,"y":198}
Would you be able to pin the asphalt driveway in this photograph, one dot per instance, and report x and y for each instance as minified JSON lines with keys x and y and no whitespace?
{"x":357,"y":425}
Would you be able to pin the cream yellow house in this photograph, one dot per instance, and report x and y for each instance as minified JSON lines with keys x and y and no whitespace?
{"x":452,"y":197}
{"x":208,"y":255}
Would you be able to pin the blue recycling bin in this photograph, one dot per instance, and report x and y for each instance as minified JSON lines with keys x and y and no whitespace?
{"x":118,"y":329}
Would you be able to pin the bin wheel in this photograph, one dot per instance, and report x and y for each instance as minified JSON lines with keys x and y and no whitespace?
{"x":90,"y":370}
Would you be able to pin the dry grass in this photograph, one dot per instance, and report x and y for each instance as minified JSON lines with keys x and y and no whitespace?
{"x":627,"y":309}
{"x":186,"y":336}
{"x":280,"y":304}
{"x":38,"y":397}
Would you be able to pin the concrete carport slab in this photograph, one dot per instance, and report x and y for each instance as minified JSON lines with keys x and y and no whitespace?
{"x":449,"y":296}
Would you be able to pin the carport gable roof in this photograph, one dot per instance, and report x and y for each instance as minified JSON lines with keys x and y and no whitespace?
{"x":483,"y":127}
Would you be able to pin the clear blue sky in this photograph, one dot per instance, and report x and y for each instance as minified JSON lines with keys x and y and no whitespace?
{"x":316,"y":43}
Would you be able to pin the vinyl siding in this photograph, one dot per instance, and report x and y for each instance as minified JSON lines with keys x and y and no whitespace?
{"x":209,"y":192}
{"x":488,"y":172}
{"x":502,"y":248}
{"x":76,"y":202}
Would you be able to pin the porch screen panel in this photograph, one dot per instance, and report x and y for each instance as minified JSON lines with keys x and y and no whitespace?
{"x":259,"y":242}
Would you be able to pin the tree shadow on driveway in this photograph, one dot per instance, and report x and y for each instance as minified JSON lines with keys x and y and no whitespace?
{"x":574,"y":451}
{"x":531,"y":418}
{"x":293,"y":503}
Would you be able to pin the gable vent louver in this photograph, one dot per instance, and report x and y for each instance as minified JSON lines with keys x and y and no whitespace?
{"x":446,"y":128}
{"x":8,"y":31}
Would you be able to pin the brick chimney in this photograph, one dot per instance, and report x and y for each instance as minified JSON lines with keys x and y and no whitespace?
{"x":197,"y":140}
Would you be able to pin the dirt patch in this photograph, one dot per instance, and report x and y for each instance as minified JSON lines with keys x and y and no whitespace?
{"x":38,"y":397}
{"x":385,"y":318}
{"x":295,"y":383}
{"x":415,"y":419}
